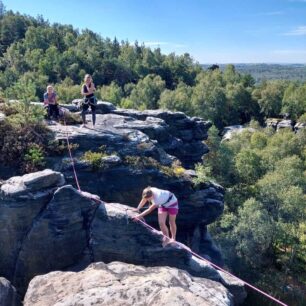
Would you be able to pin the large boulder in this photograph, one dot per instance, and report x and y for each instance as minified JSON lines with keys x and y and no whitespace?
{"x":125,"y":284}
{"x":285,"y":124}
{"x":22,"y":200}
{"x":8,"y":294}
{"x":230,"y":131}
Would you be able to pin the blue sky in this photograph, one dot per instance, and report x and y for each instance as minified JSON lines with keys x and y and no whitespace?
{"x":212,"y":31}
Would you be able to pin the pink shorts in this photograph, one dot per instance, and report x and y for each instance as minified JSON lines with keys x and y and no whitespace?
{"x":170,"y":210}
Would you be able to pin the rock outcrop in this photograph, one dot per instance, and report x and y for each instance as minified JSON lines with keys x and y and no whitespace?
{"x":279,"y":124}
{"x":47,"y":226}
{"x":229,"y":131}
{"x":125,"y":284}
{"x":8,"y":294}
{"x":163,"y":136}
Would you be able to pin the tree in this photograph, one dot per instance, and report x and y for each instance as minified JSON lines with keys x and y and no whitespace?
{"x":270,"y":96}
{"x":294,"y":100}
{"x":112,"y":93}
{"x":248,"y":165}
{"x":2,"y":9}
{"x":147,"y":92}
{"x":253,"y":233}
{"x":178,"y":99}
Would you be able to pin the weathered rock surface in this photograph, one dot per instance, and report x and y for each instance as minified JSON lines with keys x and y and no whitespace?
{"x":285,"y":124}
{"x":125,"y":284}
{"x":229,"y":131}
{"x":8,"y":294}
{"x":162,"y":135}
{"x":273,"y":122}
{"x":299,"y":126}
{"x":279,"y":124}
{"x":46,"y":227}
{"x":22,"y":199}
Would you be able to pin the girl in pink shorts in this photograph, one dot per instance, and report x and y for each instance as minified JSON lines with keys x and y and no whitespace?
{"x":167,"y":204}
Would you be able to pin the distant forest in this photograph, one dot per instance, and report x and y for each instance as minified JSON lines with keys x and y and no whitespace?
{"x":262,"y":72}
{"x":35,"y":53}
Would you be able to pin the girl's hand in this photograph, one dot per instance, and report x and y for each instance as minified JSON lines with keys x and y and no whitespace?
{"x":137,"y":217}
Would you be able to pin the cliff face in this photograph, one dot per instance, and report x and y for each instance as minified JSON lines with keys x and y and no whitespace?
{"x":161,"y":135}
{"x":48,"y":226}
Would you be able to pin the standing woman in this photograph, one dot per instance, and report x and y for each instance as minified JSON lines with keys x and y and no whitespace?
{"x":167,"y":204}
{"x":87,"y":91}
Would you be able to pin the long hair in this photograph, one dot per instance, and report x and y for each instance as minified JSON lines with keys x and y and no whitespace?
{"x":147,"y":193}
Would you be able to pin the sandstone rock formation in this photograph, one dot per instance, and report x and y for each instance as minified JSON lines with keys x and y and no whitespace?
{"x":47,"y":226}
{"x":8,"y":294}
{"x":125,"y":284}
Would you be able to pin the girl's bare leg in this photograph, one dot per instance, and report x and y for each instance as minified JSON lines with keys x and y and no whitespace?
{"x":172,"y":223}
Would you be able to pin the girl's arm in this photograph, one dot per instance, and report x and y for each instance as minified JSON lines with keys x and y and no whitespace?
{"x":146,"y":212}
{"x":141,"y":203}
{"x":85,"y":93}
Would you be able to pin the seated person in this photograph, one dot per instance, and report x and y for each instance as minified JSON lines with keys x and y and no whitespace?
{"x":50,"y":100}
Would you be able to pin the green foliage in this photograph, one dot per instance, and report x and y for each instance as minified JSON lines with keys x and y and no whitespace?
{"x":269,"y":96}
{"x":264,"y":172}
{"x":203,"y":174}
{"x":253,"y":232}
{"x":248,"y":165}
{"x":143,"y":162}
{"x":147,"y":92}
{"x":34,"y":53}
{"x":66,"y":91}
{"x":294,"y":100}
{"x":112,"y":93}
{"x":302,"y":119}
{"x":178,"y":99}
{"x":94,"y":158}
{"x":56,"y":147}
{"x":34,"y":158}
{"x":23,"y":145}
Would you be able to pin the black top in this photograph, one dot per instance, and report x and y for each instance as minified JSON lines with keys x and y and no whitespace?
{"x":85,"y":90}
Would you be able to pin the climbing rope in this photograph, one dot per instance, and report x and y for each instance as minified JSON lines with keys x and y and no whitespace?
{"x":152,"y":229}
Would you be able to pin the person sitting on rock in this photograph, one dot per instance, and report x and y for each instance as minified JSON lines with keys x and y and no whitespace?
{"x":167,"y":204}
{"x":50,"y":101}
{"x":87,"y":91}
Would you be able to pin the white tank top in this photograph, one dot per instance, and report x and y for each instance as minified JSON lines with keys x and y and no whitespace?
{"x":160,"y":198}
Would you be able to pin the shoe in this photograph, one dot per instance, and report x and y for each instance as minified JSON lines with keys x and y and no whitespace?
{"x":83,"y":126}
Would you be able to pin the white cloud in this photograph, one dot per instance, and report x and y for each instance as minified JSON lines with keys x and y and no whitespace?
{"x":155,"y":43}
{"x":274,"y":13}
{"x":299,"y":31}
{"x":163,"y":43}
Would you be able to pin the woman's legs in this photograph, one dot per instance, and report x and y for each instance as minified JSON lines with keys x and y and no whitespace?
{"x":93,"y":113}
{"x":172,"y":223}
{"x":83,"y":114}
{"x":162,"y":217}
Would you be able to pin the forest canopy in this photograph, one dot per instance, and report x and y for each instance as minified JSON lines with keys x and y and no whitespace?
{"x":35,"y":53}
